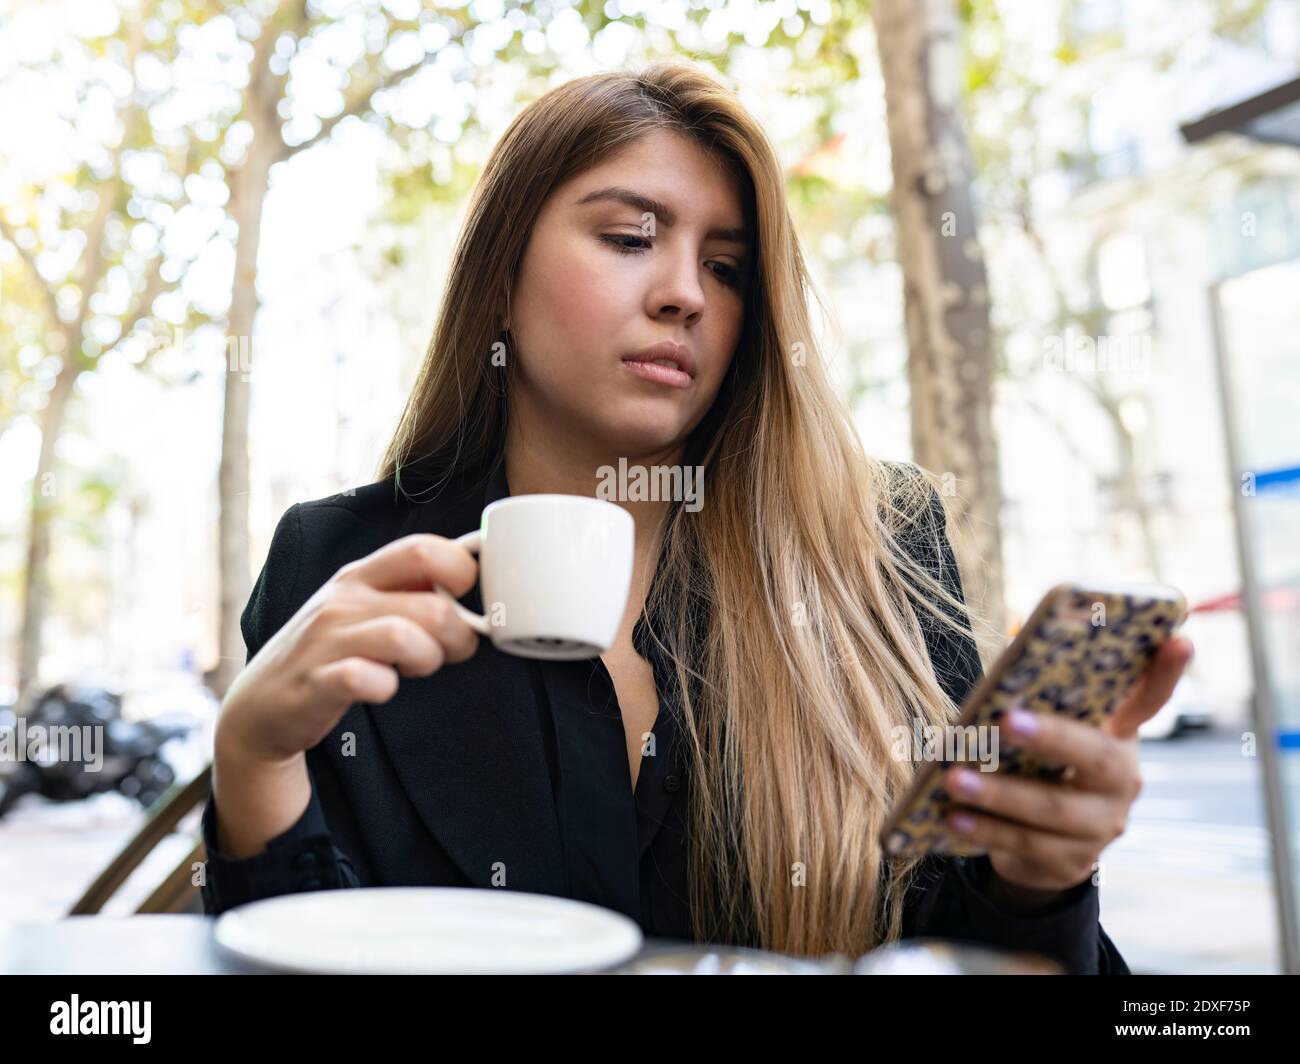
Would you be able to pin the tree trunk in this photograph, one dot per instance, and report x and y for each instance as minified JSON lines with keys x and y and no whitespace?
{"x":950,"y":356}
{"x":247,"y":197}
{"x":36,"y":580}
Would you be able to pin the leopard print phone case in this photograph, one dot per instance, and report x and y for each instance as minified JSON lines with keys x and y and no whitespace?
{"x":1076,"y":656}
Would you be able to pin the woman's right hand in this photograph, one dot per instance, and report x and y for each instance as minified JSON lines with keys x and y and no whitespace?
{"x":374,"y":619}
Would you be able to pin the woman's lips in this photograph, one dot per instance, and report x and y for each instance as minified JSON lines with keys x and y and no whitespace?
{"x":651,"y":371}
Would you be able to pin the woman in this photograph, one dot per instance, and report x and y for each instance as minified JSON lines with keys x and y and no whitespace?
{"x":723,"y":772}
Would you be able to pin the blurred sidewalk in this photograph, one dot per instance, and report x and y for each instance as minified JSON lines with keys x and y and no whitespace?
{"x":50,"y":852}
{"x":1188,"y":888}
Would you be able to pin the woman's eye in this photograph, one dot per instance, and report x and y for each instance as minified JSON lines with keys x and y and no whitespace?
{"x":616,"y":242}
{"x":726,"y":273}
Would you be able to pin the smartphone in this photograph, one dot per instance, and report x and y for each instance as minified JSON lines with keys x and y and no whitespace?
{"x":1076,"y":656}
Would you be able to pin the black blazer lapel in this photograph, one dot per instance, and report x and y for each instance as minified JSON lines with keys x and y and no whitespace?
{"x":467,"y":746}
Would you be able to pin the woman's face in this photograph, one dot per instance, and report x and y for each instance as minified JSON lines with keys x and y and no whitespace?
{"x":649,"y":246}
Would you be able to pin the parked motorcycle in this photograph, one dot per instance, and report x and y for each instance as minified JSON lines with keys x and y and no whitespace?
{"x":128,"y":754}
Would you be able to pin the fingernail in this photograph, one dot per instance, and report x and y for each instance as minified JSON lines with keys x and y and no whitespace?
{"x":963,"y":823}
{"x":966,"y":781}
{"x":1023,"y":722}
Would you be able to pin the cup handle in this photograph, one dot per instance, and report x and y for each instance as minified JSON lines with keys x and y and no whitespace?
{"x":472,"y":542}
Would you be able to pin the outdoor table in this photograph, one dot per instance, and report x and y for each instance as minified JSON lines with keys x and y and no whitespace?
{"x":184,"y":944}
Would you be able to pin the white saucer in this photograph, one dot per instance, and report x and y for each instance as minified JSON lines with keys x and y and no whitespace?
{"x":427,"y":930}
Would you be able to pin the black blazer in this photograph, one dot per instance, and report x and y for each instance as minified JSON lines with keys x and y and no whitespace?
{"x":438,"y":799}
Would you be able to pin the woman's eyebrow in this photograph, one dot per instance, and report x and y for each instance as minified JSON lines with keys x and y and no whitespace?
{"x":664,"y":215}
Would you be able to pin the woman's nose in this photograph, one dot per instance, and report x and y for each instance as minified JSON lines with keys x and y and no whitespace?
{"x":679,"y":291}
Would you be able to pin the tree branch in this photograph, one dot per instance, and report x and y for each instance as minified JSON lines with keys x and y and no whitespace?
{"x":357,"y":103}
{"x":92,"y":256}
{"x":154,"y":286}
{"x":47,"y":292}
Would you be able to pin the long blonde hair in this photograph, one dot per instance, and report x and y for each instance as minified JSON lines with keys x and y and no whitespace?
{"x":792,"y":601}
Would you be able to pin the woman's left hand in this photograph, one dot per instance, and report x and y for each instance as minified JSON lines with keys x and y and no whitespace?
{"x":1044,"y":838}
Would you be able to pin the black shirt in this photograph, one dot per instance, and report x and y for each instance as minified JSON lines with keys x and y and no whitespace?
{"x":622,"y":850}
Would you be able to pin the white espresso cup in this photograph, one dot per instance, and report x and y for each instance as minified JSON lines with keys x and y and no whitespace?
{"x":554,"y":575}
